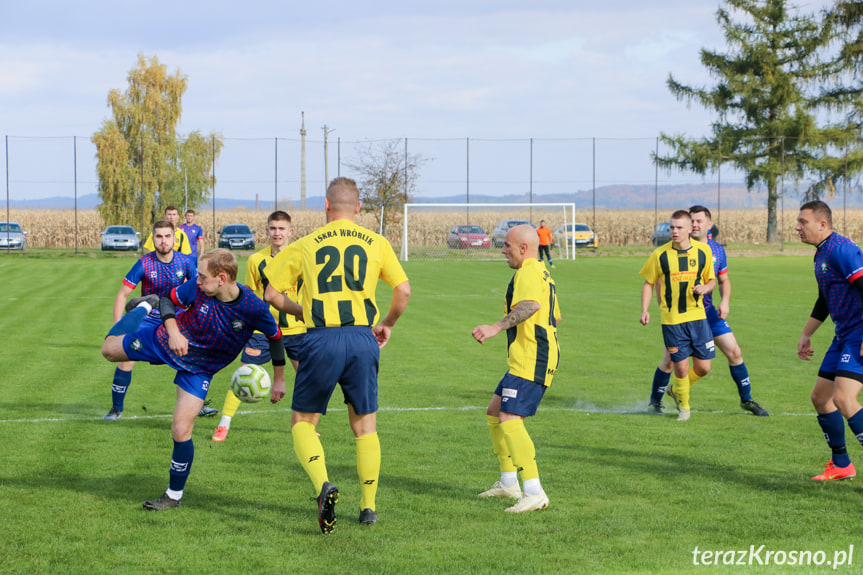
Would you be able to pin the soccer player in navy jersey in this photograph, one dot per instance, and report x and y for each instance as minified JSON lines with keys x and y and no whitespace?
{"x":839,"y":273}
{"x":194,"y":232}
{"x":723,"y":337}
{"x":158,"y":272}
{"x":219,"y":318}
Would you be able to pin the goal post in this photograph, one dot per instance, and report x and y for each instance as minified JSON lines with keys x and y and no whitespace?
{"x":474,"y":231}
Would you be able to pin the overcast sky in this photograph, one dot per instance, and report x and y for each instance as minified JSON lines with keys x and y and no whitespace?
{"x":443,"y":69}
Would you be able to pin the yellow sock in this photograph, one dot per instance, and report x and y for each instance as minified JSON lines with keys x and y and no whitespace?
{"x":693,"y":377}
{"x":368,"y":468}
{"x":520,"y":448}
{"x":310,"y":452}
{"x":499,"y":444}
{"x":232,"y":402}
{"x":681,"y":390}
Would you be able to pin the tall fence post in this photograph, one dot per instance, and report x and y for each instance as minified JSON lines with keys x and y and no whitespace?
{"x":75,"y":184}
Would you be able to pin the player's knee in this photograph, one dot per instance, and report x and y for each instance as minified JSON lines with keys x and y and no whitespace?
{"x":823,"y":402}
{"x":182,"y":430}
{"x":734,"y":355}
{"x":110,"y":351}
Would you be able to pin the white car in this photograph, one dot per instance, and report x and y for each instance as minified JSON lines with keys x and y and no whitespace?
{"x":12,"y":236}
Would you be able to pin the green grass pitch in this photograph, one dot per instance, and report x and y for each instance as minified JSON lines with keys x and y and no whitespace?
{"x":629,"y":492}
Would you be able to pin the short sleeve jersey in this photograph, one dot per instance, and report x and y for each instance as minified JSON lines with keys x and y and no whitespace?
{"x":838,"y":262}
{"x":157,"y":277}
{"x":181,"y":243}
{"x":720,"y":266}
{"x":194,"y":233}
{"x":533,"y":351}
{"x":544,"y":236}
{"x":216,"y":330}
{"x":679,"y":271}
{"x":257,"y":281}
{"x":339,"y":264}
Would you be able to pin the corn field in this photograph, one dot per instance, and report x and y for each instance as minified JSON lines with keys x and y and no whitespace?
{"x":427,"y":228}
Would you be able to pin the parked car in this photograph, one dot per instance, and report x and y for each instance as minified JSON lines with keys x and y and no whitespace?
{"x":662,"y":234}
{"x":579,"y":235}
{"x":237,"y":237}
{"x":12,"y":236}
{"x":121,"y":238}
{"x":498,"y":236}
{"x":467,"y":236}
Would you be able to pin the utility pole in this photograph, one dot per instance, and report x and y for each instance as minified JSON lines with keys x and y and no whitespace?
{"x":327,"y":132}
{"x":303,"y":162}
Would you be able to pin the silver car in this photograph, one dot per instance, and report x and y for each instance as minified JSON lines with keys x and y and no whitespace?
{"x":121,"y":238}
{"x":11,"y":236}
{"x":498,"y":236}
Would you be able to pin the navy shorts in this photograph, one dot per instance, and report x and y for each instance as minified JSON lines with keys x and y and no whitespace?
{"x":519,"y":396}
{"x":348,"y":356}
{"x":843,"y":359}
{"x":717,"y":326}
{"x":142,"y":346}
{"x":257,"y":350}
{"x":689,"y":339}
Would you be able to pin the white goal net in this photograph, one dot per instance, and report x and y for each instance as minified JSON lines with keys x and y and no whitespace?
{"x":477,"y":231}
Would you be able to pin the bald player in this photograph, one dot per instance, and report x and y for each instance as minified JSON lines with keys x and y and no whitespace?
{"x":532,"y":315}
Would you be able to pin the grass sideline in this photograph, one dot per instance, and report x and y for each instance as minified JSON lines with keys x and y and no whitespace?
{"x":629,"y":492}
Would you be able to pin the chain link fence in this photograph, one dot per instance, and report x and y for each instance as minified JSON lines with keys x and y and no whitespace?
{"x":51,"y":187}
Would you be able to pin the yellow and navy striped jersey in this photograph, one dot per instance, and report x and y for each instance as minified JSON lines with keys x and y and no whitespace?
{"x":533,"y":351}
{"x":679,"y":271}
{"x":257,"y":281}
{"x":181,"y":243}
{"x":339,"y":265}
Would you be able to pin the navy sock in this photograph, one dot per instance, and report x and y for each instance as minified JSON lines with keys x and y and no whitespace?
{"x":833,"y":426}
{"x":130,"y":322}
{"x":122,"y":379}
{"x":181,"y":464}
{"x":855,"y":422}
{"x":660,"y":382}
{"x":740,"y":375}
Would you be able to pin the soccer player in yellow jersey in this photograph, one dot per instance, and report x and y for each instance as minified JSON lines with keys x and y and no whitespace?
{"x":339,"y":265}
{"x":257,"y":350}
{"x":181,"y":242}
{"x":685,"y":268}
{"x":532,"y":351}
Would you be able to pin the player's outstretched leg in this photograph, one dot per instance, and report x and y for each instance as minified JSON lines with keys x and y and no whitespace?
{"x":152,"y":300}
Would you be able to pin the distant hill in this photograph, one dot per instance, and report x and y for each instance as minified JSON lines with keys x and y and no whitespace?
{"x":643,"y":196}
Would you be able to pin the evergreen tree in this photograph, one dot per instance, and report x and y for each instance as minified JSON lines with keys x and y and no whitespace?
{"x":765,"y":100}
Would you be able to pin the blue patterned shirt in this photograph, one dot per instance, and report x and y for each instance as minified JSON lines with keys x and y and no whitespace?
{"x":157,"y":277}
{"x":838,"y":262}
{"x":217,"y":331}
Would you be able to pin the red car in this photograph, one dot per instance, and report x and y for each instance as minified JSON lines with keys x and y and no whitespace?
{"x":467,"y":236}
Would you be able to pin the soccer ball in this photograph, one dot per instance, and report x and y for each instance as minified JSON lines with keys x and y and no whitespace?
{"x":251,"y":383}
